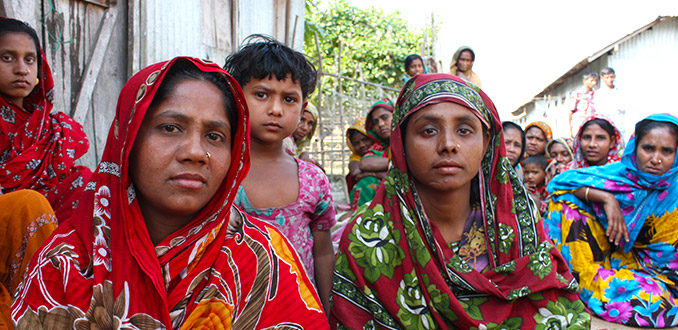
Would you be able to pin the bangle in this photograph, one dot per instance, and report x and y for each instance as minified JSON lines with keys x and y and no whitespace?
{"x":586,"y":194}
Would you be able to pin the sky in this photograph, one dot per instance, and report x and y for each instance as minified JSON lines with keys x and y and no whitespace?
{"x":522,"y":46}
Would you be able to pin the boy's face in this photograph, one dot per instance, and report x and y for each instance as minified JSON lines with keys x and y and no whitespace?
{"x":275,"y":108}
{"x":534,"y":175}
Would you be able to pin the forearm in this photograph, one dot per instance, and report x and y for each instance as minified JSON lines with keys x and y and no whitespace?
{"x":374,"y":164}
{"x":593,"y":195}
{"x":323,"y":264}
{"x":354,"y":168}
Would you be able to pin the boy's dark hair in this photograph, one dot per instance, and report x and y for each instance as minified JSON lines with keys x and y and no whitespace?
{"x":606,"y":71}
{"x":184,"y":70}
{"x":589,"y":74}
{"x":8,"y":25}
{"x":538,"y":160}
{"x":262,"y":57}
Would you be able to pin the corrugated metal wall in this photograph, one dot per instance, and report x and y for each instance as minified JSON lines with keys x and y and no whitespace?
{"x":646,"y":67}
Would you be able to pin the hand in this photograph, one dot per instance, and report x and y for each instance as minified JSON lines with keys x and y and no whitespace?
{"x":363,"y":175}
{"x":531,"y":187}
{"x":616,"y":226}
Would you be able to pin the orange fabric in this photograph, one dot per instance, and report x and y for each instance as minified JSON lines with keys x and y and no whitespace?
{"x":26,"y":221}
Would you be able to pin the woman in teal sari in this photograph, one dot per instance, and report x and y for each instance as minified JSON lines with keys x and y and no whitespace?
{"x":616,"y":225}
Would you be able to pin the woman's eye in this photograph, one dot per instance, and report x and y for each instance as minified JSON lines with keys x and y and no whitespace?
{"x":215,"y":137}
{"x":30,"y":59}
{"x":464,"y":131}
{"x":429,"y":131}
{"x":6,"y":57}
{"x":169,"y":128}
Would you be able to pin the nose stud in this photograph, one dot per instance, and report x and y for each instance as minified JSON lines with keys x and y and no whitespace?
{"x":207,"y":155}
{"x":458,"y":146}
{"x":660,"y":162}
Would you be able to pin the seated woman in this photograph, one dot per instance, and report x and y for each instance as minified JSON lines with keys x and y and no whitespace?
{"x":633,"y":280}
{"x":598,"y":142}
{"x":375,"y":162}
{"x":451,"y":240}
{"x":38,"y":147}
{"x":537,"y":134}
{"x":157,"y":242}
{"x":26,"y":221}
{"x":559,"y":150}
{"x":514,"y":137}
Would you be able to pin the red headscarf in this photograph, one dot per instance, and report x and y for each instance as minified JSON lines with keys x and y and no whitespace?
{"x":221,"y":267}
{"x":616,"y":147}
{"x":39,"y":148}
{"x":395,"y":270}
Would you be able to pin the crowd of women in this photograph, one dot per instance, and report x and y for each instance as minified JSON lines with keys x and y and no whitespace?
{"x":205,"y":212}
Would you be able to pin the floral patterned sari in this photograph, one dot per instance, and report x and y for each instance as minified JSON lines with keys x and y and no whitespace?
{"x":395,"y":271}
{"x":39,"y":148}
{"x":637,"y":282}
{"x":222,"y":270}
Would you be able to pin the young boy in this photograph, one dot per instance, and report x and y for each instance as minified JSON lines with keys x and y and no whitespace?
{"x":290,"y":193}
{"x":534,"y":171}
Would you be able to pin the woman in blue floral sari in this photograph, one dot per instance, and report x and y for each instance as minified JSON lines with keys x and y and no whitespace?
{"x":617,"y":226}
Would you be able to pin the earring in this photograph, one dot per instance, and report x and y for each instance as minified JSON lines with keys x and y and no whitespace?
{"x":37,"y":81}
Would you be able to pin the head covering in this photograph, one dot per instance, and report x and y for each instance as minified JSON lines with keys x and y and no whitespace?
{"x":369,"y":126}
{"x":306,"y":140}
{"x":543,"y":126}
{"x":395,"y":269}
{"x":566,"y":142}
{"x":108,"y":263}
{"x":472,"y":76}
{"x":39,"y":148}
{"x":613,"y":155}
{"x":358,"y":126}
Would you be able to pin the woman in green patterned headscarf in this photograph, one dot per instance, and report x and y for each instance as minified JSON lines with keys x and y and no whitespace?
{"x":451,"y":239}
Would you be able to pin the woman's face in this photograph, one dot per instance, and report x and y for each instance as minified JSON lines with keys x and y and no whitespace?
{"x":595,"y":145}
{"x":444,"y":146}
{"x":514,"y":144}
{"x":304,"y":127}
{"x":656,"y":151}
{"x":361,"y":143}
{"x":465,"y":61}
{"x":381,"y":121}
{"x":416,"y":67}
{"x":536,"y":141}
{"x":182,"y":152}
{"x":18,"y":67}
{"x":560,"y":153}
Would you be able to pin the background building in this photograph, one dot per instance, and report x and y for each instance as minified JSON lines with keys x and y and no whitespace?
{"x":94,"y":46}
{"x":646,"y":65}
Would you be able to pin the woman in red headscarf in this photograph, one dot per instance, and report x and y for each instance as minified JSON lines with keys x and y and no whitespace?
{"x":451,"y":239}
{"x":38,"y":148}
{"x":156,"y":242}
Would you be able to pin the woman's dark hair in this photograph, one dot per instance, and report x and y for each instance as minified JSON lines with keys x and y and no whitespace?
{"x":264,"y":57}
{"x":410,"y":59}
{"x":644,"y":127}
{"x":182,"y":71}
{"x":604,"y":124}
{"x":8,"y":25}
{"x":511,"y":125}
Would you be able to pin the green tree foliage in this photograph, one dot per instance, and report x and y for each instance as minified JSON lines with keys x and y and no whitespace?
{"x":371,"y":40}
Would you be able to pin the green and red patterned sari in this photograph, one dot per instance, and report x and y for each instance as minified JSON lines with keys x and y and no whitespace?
{"x":395,"y":271}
